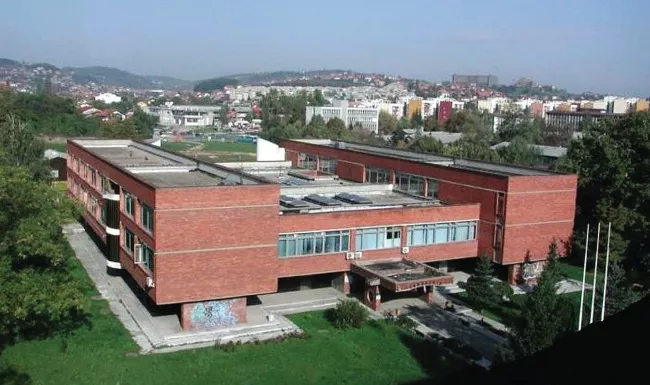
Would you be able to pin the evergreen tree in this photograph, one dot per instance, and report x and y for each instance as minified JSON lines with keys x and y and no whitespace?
{"x":479,"y":285}
{"x":545,"y":315}
{"x":619,"y":293}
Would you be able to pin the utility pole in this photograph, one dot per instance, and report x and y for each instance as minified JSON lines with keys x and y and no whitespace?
{"x":584,"y":277}
{"x":602,"y":309}
{"x":593,"y":292}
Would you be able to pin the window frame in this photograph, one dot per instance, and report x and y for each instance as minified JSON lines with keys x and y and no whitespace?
{"x":129,"y":198}
{"x":291,"y":245}
{"x":381,"y":238}
{"x":145,"y":219}
{"x":130,"y":250}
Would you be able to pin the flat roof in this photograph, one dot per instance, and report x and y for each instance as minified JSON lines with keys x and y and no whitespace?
{"x":497,"y":169}
{"x":161,"y":168}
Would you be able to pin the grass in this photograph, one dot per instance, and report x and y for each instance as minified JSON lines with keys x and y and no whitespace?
{"x":178,"y":146}
{"x":229,"y":147}
{"x":572,"y":271}
{"x":105,"y":354}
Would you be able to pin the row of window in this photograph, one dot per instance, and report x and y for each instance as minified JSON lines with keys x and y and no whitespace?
{"x":146,"y":212}
{"x":313,"y":243}
{"x":290,"y":245}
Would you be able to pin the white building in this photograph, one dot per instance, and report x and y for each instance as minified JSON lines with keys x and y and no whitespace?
{"x":187,"y":116}
{"x":108,"y":98}
{"x":367,"y":117}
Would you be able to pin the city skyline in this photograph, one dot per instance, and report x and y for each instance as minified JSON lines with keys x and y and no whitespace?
{"x":593,"y":46}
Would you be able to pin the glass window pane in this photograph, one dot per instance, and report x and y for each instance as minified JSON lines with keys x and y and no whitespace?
{"x":291,"y":247}
{"x":462,"y":231}
{"x":345,"y":241}
{"x":370,"y":241}
{"x":282,"y":248}
{"x":472,"y":231}
{"x":442,"y":232}
{"x":318,"y":244}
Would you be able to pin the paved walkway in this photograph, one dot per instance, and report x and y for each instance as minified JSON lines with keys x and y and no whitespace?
{"x":159,"y":333}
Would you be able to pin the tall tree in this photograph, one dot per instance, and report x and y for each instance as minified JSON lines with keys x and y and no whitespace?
{"x":613,"y":166}
{"x":38,"y":297}
{"x":416,"y":120}
{"x":20,"y":147}
{"x":545,"y":315}
{"x":387,"y":123}
{"x":336,"y":127}
{"x":427,"y":144}
{"x":479,"y":285}
{"x":431,"y":123}
{"x":619,"y":293}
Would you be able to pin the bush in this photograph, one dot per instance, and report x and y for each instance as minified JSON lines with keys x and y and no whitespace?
{"x":348,"y":313}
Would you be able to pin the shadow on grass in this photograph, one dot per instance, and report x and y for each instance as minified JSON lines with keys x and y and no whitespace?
{"x":506,"y":312}
{"x":10,"y":376}
{"x":434,"y":361}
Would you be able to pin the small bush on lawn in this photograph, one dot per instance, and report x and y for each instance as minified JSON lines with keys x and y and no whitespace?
{"x":407,"y":323}
{"x":348,"y":314}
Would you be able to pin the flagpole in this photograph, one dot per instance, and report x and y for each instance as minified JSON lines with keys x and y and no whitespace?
{"x":602,"y":309}
{"x":584,"y":277}
{"x":593,"y":292}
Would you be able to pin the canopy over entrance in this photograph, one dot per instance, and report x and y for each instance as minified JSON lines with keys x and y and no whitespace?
{"x":399,"y":274}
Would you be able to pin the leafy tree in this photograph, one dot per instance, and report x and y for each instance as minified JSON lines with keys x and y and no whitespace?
{"x":387,"y":123}
{"x":144,"y":123}
{"x":472,"y":148}
{"x":19,"y":147}
{"x":520,"y":152}
{"x":545,"y":315}
{"x":516,"y":125}
{"x":403,"y":124}
{"x":619,"y":291}
{"x":479,"y":285}
{"x":469,"y":123}
{"x":431,"y":123}
{"x":317,"y":98}
{"x":38,"y":297}
{"x":223,"y":114}
{"x":427,"y":144}
{"x":613,"y":169}
{"x":398,"y":137}
{"x":336,"y":127}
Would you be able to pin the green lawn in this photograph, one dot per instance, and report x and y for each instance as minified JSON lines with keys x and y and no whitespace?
{"x":105,"y":354}
{"x":229,"y":147}
{"x":572,"y":271}
{"x":178,"y":146}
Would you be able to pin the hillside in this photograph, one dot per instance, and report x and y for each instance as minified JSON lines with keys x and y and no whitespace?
{"x":116,"y":77}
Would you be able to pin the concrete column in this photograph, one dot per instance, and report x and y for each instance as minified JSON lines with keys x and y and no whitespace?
{"x":429,"y":294}
{"x":216,"y":314}
{"x":372,"y":297}
{"x":392,"y":177}
{"x":342,"y":283}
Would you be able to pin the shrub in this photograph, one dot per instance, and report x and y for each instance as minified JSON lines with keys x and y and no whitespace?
{"x":407,"y":323}
{"x":348,"y":313}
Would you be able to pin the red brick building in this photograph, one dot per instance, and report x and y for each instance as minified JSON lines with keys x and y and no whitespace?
{"x":207,"y":236}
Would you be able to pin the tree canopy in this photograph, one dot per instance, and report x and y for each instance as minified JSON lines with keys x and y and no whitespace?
{"x":210,"y":85}
{"x":612,"y":161}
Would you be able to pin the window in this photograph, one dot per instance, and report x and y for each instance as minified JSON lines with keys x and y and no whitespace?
{"x":92,"y":206}
{"x":147,"y":256}
{"x":498,"y":237}
{"x":376,"y":175}
{"x":54,"y":174}
{"x":411,"y":184}
{"x":378,"y":238}
{"x":433,"y":188}
{"x":93,"y":177}
{"x":307,"y":161}
{"x":103,"y":214}
{"x":129,"y":204}
{"x":105,"y":184}
{"x":500,"y":204}
{"x":326,"y":242}
{"x":327,"y":165}
{"x":129,"y":241}
{"x":428,"y":234}
{"x":146,"y":216}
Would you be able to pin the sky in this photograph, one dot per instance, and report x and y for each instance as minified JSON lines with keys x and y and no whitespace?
{"x":580,"y":45}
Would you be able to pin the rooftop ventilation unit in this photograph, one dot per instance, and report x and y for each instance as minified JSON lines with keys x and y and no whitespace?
{"x":321,"y":200}
{"x":353,"y":199}
{"x":292,"y":202}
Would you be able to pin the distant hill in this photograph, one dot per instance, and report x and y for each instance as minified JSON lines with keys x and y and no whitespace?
{"x":4,"y":62}
{"x":116,"y":77}
{"x":279,"y":76}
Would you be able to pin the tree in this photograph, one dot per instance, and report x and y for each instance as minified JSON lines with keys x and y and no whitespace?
{"x":210,"y":85}
{"x":520,"y":152}
{"x":38,"y":297}
{"x":479,"y":285}
{"x":387,"y":123}
{"x":336,"y":127}
{"x":619,"y":292}
{"x":431,"y":123}
{"x":613,"y":167}
{"x":317,"y":98}
{"x":19,"y":147}
{"x":223,"y":114}
{"x":144,"y":124}
{"x":427,"y":144}
{"x":545,"y":316}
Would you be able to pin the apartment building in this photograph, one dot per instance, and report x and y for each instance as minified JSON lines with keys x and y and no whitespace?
{"x":366,"y":117}
{"x":185,"y":115}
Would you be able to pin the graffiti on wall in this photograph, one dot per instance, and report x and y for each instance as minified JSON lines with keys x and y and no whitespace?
{"x":532,"y":270}
{"x":213,"y":314}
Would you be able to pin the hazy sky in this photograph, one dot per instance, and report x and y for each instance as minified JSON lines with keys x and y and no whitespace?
{"x":597,"y":45}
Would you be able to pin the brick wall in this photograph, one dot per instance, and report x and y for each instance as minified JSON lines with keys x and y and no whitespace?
{"x":230,"y":250}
